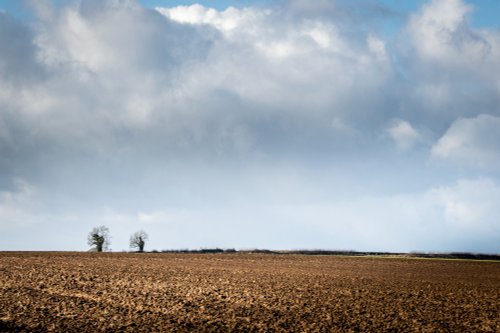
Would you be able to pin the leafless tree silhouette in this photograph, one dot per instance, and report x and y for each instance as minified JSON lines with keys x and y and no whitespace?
{"x":138,"y":240}
{"x":100,"y":238}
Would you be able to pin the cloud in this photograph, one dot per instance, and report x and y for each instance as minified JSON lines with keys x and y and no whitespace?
{"x":403,"y":134}
{"x":226,"y":20}
{"x":439,"y":30}
{"x":238,"y":81}
{"x":282,"y":64}
{"x":453,"y":62}
{"x":471,"y":142}
{"x":235,"y":81}
{"x":442,"y":34}
{"x":108,"y":67}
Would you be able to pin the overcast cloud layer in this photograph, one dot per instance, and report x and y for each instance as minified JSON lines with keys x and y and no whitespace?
{"x":302,"y":124}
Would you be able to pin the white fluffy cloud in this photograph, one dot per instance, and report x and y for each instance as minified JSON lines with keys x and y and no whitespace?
{"x":454,"y":62}
{"x":226,"y":21}
{"x":403,"y":134}
{"x":438,"y":28}
{"x":442,"y":33}
{"x":471,"y":142}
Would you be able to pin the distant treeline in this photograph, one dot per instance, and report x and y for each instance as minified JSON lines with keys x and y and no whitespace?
{"x":451,"y":255}
{"x":215,"y":250}
{"x":457,"y":255}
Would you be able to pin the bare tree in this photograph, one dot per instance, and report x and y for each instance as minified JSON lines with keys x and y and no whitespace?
{"x":100,"y":238}
{"x":138,"y":240}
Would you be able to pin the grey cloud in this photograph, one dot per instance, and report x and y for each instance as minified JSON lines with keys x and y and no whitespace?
{"x":17,"y":54}
{"x":121,"y":69}
{"x":156,"y":72}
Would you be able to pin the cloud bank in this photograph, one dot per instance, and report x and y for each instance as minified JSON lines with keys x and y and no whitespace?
{"x":282,"y":126}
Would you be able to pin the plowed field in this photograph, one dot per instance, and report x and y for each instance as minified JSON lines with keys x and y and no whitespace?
{"x":89,"y":292}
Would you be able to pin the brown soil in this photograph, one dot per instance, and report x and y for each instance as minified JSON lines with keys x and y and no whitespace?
{"x":68,"y":292}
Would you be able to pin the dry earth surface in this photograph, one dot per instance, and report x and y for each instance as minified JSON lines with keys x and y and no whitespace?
{"x":85,"y":292}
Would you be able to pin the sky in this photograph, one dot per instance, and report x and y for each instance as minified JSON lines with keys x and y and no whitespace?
{"x":290,"y":124}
